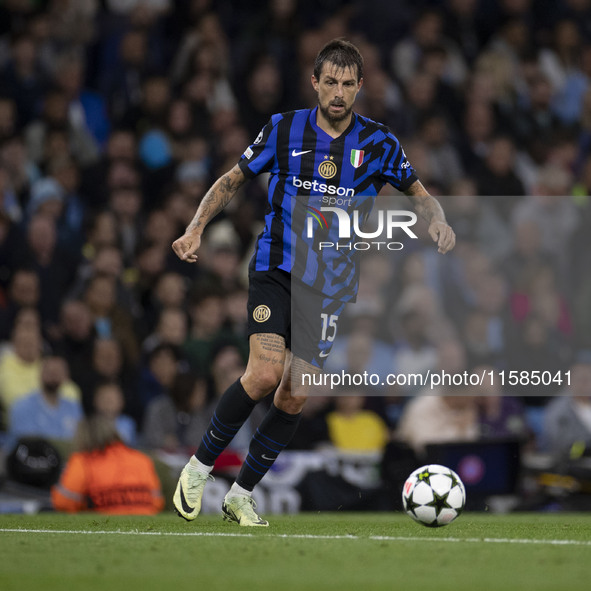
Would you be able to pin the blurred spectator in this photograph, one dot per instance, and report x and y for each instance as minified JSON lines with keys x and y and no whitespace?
{"x":477,"y":222}
{"x":444,"y":413}
{"x":541,"y":296}
{"x":54,"y":265}
{"x":23,"y":292}
{"x":108,"y":365}
{"x":172,"y":328}
{"x":20,"y":364}
{"x":108,"y":401}
{"x":500,"y":416}
{"x":491,"y":298}
{"x":169,"y":291}
{"x":75,"y":338}
{"x":120,"y":149}
{"x":86,"y":108}
{"x":567,"y":418}
{"x":528,"y":252}
{"x":533,"y":346}
{"x":536,"y":126}
{"x":177,"y":419}
{"x":497,"y":178}
{"x":427,"y":32}
{"x":110,"y":320}
{"x":463,"y":24}
{"x":8,"y":118}
{"x":106,"y":476}
{"x":9,"y":238}
{"x":414,"y":349}
{"x":158,"y":373}
{"x":421,"y":100}
{"x":70,"y":221}
{"x":561,"y":63}
{"x":46,"y":412}
{"x":444,"y":162}
{"x":361,"y":349}
{"x":479,"y":126}
{"x":151,"y":112}
{"x":206,"y":310}
{"x":21,"y":172}
{"x":54,"y":117}
{"x":126,"y":204}
{"x":264,"y":93}
{"x":123,"y":83}
{"x":102,"y":232}
{"x":23,"y":77}
{"x":552,"y":209}
{"x":353,"y":429}
{"x":381,"y":98}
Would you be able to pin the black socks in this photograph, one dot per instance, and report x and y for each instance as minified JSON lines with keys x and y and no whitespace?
{"x":273,"y":434}
{"x":232,"y":410}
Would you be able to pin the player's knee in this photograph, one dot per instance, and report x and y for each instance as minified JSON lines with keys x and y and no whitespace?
{"x":261,"y":382}
{"x":289,"y":403}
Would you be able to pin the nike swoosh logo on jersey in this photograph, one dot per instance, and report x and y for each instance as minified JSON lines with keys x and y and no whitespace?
{"x":324,"y":354}
{"x":266,"y":458}
{"x":216,"y":437}
{"x":184,"y":503}
{"x":294,"y":153}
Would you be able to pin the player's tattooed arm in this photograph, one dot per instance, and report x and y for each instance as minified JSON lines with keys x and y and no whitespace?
{"x":425,"y":205}
{"x":431,"y":211}
{"x":220,"y":194}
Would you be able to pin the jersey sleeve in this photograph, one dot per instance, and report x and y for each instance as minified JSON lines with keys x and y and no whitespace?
{"x":70,"y":493}
{"x":396,"y":169}
{"x":260,"y":155}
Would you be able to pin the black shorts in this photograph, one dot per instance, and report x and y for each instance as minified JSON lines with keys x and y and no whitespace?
{"x":305,"y":318}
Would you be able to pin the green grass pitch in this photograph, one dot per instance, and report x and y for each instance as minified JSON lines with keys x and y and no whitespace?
{"x":340,"y":551}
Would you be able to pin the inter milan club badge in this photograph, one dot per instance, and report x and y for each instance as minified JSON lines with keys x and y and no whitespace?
{"x":261,"y":313}
{"x":327,"y":168}
{"x":357,"y":158}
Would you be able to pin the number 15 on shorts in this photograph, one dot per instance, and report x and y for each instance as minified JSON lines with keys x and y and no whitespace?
{"x":329,"y":327}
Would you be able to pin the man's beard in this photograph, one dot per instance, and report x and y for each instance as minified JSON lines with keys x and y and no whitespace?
{"x":335,"y":118}
{"x":51,"y":388}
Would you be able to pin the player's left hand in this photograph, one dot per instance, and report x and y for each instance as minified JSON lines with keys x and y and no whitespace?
{"x":443,"y":235}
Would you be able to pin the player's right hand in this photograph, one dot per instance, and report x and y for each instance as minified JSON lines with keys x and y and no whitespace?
{"x":186,"y":246}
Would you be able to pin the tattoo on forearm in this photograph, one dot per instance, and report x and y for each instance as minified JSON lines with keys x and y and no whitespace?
{"x":425,"y":205}
{"x":217,"y":198}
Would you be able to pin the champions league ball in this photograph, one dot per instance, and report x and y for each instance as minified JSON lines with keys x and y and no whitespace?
{"x":433,"y":495}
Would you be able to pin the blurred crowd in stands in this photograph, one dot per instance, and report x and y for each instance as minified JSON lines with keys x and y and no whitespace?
{"x":117,"y":115}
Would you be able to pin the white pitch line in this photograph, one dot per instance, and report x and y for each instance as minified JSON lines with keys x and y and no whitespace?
{"x":303,"y":536}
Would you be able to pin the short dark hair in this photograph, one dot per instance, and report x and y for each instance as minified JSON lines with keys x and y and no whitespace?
{"x":342,"y":54}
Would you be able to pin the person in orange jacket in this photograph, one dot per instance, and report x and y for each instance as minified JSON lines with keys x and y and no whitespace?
{"x":107,"y":476}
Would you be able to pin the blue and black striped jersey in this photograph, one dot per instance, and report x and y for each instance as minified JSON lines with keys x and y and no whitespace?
{"x":309,"y":171}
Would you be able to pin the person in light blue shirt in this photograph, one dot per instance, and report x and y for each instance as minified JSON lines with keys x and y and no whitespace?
{"x":108,"y":400}
{"x":44,"y":413}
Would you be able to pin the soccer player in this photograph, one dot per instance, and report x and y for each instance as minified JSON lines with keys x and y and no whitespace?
{"x":326,"y":156}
